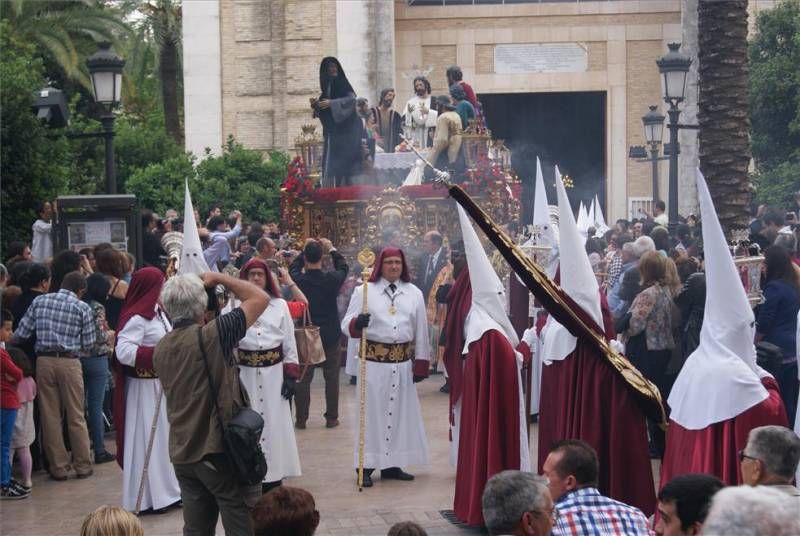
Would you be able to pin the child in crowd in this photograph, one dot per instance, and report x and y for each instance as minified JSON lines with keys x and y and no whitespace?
{"x":108,"y":520}
{"x":24,"y":431}
{"x":6,"y":327}
{"x":9,"y":403}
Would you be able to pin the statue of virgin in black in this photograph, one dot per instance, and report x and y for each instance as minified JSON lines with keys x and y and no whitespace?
{"x":341,"y":126}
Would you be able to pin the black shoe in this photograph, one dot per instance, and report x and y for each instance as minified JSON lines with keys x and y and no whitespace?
{"x":8,"y":493}
{"x":352,"y":380}
{"x":367,"y":480}
{"x":104,"y":457}
{"x":445,"y":388}
{"x":268,"y":486}
{"x":395,"y":473}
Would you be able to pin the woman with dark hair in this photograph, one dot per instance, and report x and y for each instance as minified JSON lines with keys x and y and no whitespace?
{"x":660,"y":238}
{"x":691,"y":301}
{"x":268,"y":368}
{"x":776,"y":319}
{"x":111,"y":263}
{"x":647,"y":330}
{"x":95,"y":366}
{"x":63,"y":263}
{"x":341,"y":125}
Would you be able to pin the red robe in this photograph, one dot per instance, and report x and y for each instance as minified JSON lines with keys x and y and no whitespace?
{"x":489,"y":431}
{"x":714,"y":449}
{"x":583,"y":397}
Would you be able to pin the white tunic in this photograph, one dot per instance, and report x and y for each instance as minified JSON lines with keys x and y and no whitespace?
{"x":417,"y":122}
{"x":394,"y":431}
{"x":263,"y":384}
{"x":161,"y":488}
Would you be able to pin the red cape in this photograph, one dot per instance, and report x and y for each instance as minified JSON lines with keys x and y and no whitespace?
{"x":583,"y":397}
{"x":489,"y":432}
{"x":714,"y":449}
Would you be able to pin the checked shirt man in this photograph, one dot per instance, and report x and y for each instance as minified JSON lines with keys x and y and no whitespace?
{"x":65,"y":331}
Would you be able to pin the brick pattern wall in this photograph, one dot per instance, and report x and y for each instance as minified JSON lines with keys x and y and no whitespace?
{"x":253,"y":75}
{"x":597,"y":55}
{"x":276,"y":48}
{"x":251,"y":20}
{"x":484,"y":59}
{"x":440,"y":57}
{"x":642,"y":89}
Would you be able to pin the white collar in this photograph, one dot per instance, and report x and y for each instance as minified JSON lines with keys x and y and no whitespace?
{"x":399,"y":284}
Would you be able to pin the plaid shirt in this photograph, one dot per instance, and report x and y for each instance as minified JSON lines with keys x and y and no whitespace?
{"x":614,"y":269}
{"x":62,"y":323}
{"x":585,"y":512}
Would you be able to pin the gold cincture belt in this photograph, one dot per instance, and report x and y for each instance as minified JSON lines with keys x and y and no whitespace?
{"x":383,"y":352}
{"x":261,"y":358}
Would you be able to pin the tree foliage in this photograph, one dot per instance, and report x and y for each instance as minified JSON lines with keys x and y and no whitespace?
{"x":239,"y":178}
{"x":34,"y":162}
{"x":775,"y":103}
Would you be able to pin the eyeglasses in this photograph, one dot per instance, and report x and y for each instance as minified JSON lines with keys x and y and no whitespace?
{"x":742,"y":457}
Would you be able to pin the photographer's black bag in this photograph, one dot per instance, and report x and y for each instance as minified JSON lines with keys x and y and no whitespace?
{"x":242,"y":438}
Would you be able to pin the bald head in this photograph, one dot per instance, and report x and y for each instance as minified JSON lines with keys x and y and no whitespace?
{"x":432,"y":241}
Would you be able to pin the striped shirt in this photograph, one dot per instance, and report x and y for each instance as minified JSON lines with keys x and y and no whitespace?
{"x":585,"y":512}
{"x":61,"y":322}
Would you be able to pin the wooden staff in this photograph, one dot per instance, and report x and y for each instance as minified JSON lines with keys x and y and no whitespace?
{"x":149,"y":451}
{"x":365,"y":258}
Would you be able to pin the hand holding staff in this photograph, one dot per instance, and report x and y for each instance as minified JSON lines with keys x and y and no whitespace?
{"x":366,"y":258}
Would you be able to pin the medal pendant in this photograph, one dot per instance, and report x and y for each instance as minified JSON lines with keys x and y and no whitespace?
{"x":392,"y":310}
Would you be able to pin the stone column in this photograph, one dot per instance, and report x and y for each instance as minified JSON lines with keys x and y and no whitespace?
{"x":689,"y":158}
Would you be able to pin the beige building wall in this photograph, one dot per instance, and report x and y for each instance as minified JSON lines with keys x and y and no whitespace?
{"x":623,"y":39}
{"x":271,"y":51}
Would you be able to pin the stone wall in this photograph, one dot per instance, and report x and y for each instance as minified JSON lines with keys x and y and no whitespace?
{"x":622,"y":39}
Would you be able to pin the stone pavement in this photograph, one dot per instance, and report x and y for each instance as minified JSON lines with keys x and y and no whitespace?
{"x":58,"y":508}
{"x":326,"y":455}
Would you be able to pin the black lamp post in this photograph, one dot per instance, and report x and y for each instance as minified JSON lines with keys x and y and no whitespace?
{"x":105,"y":69}
{"x":673,"y":67}
{"x":653,"y":129}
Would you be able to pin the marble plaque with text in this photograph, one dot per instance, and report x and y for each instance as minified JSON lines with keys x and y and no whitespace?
{"x":541,"y":58}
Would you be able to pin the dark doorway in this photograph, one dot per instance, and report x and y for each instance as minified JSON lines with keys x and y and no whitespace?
{"x":567,"y":129}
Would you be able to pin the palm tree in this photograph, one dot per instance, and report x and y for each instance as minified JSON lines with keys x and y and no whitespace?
{"x":66,"y":32}
{"x":157,"y":49}
{"x":723,"y":108}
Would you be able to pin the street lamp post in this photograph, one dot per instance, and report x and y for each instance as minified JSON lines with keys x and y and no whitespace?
{"x":105,"y":69}
{"x":673,"y":67}
{"x":653,"y":129}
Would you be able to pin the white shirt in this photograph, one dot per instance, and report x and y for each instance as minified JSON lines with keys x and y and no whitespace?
{"x":408,"y":324}
{"x":42,"y":245}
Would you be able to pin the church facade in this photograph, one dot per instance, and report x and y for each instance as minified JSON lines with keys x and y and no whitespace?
{"x":250,"y":66}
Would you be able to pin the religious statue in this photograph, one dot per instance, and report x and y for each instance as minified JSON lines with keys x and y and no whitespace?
{"x":341,"y":126}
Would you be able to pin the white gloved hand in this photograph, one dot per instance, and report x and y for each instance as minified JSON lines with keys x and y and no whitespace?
{"x":617,"y":346}
{"x":529,"y":338}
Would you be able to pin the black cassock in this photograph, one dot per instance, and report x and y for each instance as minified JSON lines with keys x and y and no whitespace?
{"x":341,"y":128}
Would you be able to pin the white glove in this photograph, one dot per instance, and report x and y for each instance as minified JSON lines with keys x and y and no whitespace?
{"x":529,"y":338}
{"x":617,"y":346}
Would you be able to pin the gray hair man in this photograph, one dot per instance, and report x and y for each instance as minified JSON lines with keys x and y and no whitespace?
{"x":186,"y":360}
{"x":770,"y":458}
{"x":518,"y":503}
{"x":747,"y":511}
{"x":630,"y":285}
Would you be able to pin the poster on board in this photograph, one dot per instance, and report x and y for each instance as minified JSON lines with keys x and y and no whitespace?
{"x":88,"y":234}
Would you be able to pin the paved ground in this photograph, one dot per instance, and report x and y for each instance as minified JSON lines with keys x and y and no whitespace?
{"x":57,"y":508}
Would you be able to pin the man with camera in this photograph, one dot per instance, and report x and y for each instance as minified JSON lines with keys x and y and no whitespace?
{"x":196,"y":447}
{"x":321,"y":289}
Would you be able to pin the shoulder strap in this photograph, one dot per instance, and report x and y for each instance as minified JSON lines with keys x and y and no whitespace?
{"x":208,"y":375}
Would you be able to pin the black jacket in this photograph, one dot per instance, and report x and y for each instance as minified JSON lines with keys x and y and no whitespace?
{"x":322,"y":289}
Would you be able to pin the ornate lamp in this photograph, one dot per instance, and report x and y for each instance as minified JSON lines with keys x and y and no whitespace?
{"x":475,"y":143}
{"x":653,"y":122}
{"x":673,"y":67}
{"x":308,"y":146}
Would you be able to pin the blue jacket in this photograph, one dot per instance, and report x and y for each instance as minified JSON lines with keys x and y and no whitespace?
{"x":777,"y":316}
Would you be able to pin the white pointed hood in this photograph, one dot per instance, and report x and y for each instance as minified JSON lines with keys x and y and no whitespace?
{"x":542,"y":222}
{"x":577,"y":280}
{"x":488,"y":310}
{"x":590,"y":218}
{"x":192,"y":259}
{"x":599,"y":219}
{"x":720,"y":379}
{"x":583,"y":216}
